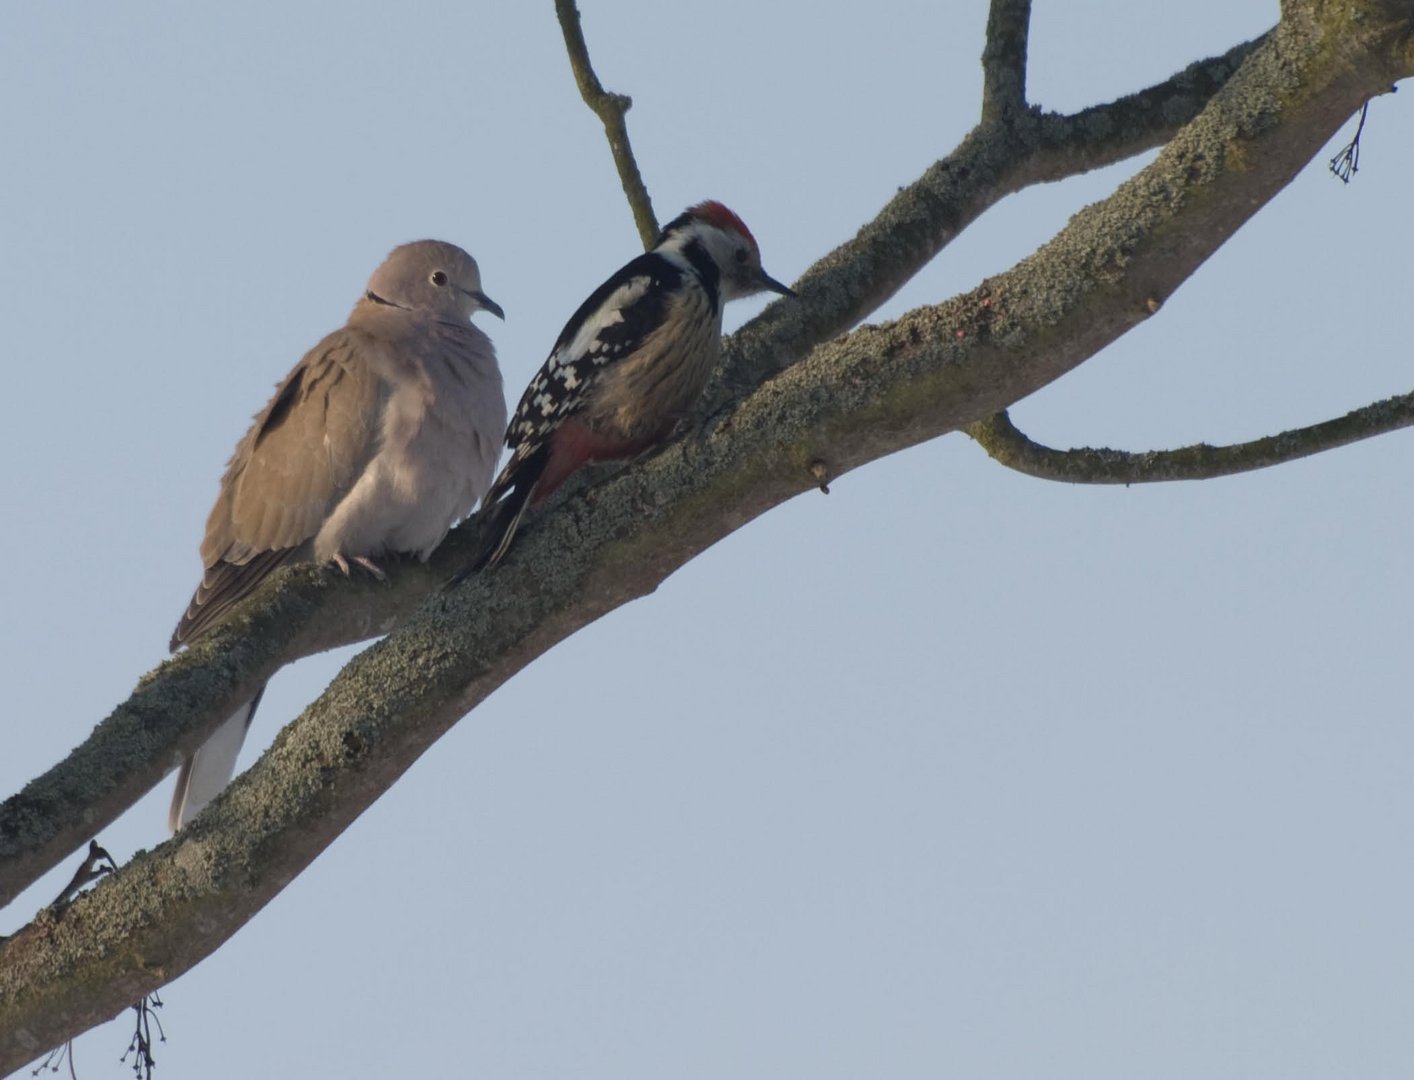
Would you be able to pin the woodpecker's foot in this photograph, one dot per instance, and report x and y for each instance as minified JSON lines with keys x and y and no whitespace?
{"x":360,"y":560}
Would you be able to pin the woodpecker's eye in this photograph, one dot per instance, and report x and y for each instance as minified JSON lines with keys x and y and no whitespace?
{"x":438,"y":278}
{"x":741,"y":256}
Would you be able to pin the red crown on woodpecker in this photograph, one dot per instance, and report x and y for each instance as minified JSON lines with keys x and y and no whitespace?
{"x":715,"y":213}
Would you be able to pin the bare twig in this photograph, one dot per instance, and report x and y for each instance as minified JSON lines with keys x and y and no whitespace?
{"x":610,"y":108}
{"x":63,"y":1054}
{"x":97,"y":863}
{"x":1347,"y":163}
{"x":144,"y":1016}
{"x":1004,"y":59}
{"x":1010,"y":446}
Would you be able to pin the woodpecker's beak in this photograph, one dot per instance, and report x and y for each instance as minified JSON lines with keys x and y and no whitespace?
{"x":487,"y":304}
{"x":768,"y":282}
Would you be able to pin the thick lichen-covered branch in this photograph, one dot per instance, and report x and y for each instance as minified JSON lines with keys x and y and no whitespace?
{"x":307,"y":610}
{"x":115,"y":766}
{"x":610,"y":108}
{"x":175,"y":707}
{"x":869,"y":393}
{"x":1004,"y":442}
{"x":1004,"y":59}
{"x":994,"y":160}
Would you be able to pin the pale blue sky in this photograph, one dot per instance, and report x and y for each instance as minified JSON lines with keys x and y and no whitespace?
{"x":951,"y":772}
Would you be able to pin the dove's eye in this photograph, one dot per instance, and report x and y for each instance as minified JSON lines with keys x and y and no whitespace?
{"x":438,"y":278}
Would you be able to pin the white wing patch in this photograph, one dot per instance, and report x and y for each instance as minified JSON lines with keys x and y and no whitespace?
{"x":586,"y":340}
{"x":559,"y":386}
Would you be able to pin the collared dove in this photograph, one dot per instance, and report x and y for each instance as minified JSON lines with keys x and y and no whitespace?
{"x":384,"y":434}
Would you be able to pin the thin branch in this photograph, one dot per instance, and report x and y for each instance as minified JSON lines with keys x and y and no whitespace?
{"x":1005,"y":443}
{"x":610,"y":108}
{"x":1004,"y":60}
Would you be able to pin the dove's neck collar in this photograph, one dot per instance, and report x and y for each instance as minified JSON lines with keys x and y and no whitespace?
{"x":371,"y":295}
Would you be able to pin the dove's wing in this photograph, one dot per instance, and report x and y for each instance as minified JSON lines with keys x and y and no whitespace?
{"x":304,"y":453}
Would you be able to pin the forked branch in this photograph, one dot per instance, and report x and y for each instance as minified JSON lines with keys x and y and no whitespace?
{"x":610,"y":108}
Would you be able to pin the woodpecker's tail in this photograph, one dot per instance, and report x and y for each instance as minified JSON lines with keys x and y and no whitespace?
{"x":500,"y":530}
{"x":496,"y":524}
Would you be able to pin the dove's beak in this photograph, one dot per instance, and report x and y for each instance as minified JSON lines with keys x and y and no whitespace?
{"x":485,"y":303}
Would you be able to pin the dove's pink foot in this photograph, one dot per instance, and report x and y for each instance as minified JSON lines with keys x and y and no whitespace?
{"x":363,"y":561}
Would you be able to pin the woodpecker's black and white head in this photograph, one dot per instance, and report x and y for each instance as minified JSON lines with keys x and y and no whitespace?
{"x":721,"y":250}
{"x":434,"y":277}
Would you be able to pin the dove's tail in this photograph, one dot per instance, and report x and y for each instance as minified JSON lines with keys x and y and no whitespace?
{"x":205,"y":774}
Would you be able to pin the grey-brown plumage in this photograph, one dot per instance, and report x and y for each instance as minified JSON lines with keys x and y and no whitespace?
{"x":384,"y":434}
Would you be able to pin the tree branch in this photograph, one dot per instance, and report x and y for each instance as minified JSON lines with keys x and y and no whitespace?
{"x":301,"y":611}
{"x":872,"y":392}
{"x":305,"y":610}
{"x":1005,"y":443}
{"x":610,"y":108}
{"x":1004,"y":60}
{"x":991,"y":162}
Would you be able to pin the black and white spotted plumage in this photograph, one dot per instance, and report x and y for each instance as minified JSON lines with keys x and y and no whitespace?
{"x":628,"y":365}
{"x":616,"y":317}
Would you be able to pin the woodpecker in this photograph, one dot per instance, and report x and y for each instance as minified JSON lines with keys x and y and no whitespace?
{"x":629,"y":364}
